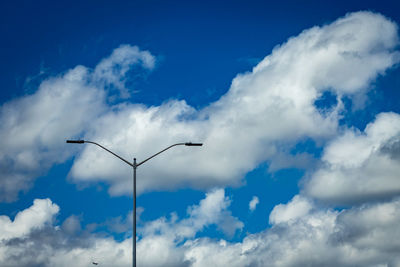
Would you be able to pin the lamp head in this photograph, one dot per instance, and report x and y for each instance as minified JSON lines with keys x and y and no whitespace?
{"x":193,"y":144}
{"x":75,"y":141}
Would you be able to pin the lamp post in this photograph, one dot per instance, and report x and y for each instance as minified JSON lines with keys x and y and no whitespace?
{"x":134,"y":165}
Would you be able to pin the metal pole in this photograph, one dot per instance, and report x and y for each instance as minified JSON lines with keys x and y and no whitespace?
{"x":134,"y":213}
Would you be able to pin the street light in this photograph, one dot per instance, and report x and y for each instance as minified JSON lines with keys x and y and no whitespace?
{"x":134,"y":165}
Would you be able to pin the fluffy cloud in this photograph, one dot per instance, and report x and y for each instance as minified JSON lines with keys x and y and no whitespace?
{"x":360,"y":166}
{"x":33,"y":128}
{"x":366,"y":235}
{"x":362,"y":236}
{"x":26,"y":221}
{"x":162,"y":237}
{"x":297,"y":208}
{"x":32,"y":239}
{"x":253,"y":203}
{"x":265,"y":112}
{"x":211,"y":210}
{"x":112,"y":71}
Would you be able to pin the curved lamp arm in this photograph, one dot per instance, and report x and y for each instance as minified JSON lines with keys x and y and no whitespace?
{"x":83,"y":141}
{"x":178,"y":144}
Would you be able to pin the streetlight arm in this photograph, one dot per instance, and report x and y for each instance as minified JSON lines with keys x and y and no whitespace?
{"x":83,"y":141}
{"x":158,"y":153}
{"x":121,"y":158}
{"x":178,"y":144}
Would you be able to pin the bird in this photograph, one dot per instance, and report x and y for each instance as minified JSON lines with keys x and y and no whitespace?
{"x":95,"y":263}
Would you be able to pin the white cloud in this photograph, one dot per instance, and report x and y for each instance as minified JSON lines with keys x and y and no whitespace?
{"x":296,"y":208}
{"x":33,"y":128}
{"x":366,"y":235}
{"x":355,"y":237}
{"x":211,"y":210}
{"x":33,"y":218}
{"x":32,"y":239}
{"x":264,"y":113}
{"x":112,"y":71}
{"x":105,"y":251}
{"x":162,"y":237}
{"x":360,"y":166}
{"x":253,"y":203}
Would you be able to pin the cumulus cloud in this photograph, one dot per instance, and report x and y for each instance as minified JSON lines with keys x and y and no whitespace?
{"x":362,"y":236}
{"x":366,"y":235}
{"x":264,"y":113}
{"x":296,"y":208}
{"x":253,"y":203}
{"x":357,"y":236}
{"x":112,"y":71}
{"x":360,"y":166}
{"x":33,"y":128}
{"x":211,"y":210}
{"x":26,"y":221}
{"x":164,"y":237}
{"x":32,"y":239}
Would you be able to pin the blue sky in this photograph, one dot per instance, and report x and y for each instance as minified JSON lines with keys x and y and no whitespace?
{"x":297,"y":107}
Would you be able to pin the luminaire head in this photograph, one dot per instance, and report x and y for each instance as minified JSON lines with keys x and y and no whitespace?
{"x":193,"y":144}
{"x":75,"y":141}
